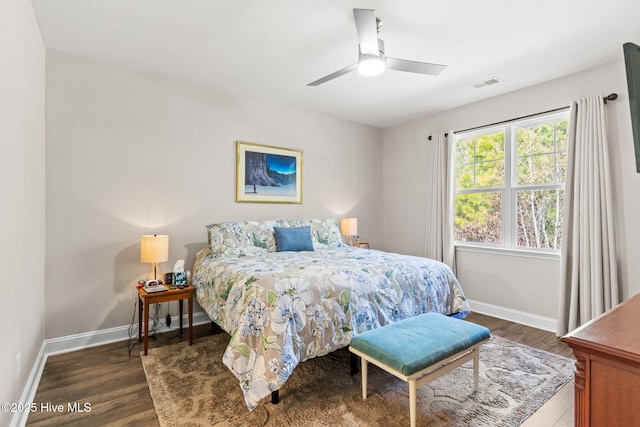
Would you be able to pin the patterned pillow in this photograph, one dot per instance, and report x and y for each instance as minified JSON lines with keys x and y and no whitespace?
{"x":325,"y":233}
{"x":240,"y":238}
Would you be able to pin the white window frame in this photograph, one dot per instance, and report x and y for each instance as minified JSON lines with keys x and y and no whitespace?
{"x":510,"y":189}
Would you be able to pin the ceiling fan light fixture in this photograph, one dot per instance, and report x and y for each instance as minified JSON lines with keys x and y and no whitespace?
{"x":370,"y":65}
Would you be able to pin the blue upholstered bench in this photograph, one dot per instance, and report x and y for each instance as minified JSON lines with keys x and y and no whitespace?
{"x":420,"y":349}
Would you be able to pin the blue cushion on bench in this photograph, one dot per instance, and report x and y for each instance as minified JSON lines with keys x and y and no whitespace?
{"x":416,"y":343}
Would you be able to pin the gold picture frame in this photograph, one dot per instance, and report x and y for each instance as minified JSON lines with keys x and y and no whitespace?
{"x":268,"y":174}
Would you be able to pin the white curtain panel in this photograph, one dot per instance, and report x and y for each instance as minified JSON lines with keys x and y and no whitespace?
{"x":589,"y":278}
{"x":440,"y":198}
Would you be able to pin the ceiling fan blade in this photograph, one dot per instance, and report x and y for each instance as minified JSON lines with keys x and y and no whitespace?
{"x":414,"y":66}
{"x":334,"y":75}
{"x":367,"y":30}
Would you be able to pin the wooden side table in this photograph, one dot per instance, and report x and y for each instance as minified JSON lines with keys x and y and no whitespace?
{"x":146,"y":299}
{"x":362,"y":245}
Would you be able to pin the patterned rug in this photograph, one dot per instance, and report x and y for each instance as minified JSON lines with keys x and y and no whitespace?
{"x":191,"y":387}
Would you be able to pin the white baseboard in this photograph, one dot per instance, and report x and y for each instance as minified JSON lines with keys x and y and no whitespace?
{"x":533,"y":320}
{"x":106,"y":336}
{"x":19,"y":419}
{"x":80,"y":341}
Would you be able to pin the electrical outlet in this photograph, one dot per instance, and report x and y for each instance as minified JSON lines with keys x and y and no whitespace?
{"x":18,"y":367}
{"x":168,"y":321}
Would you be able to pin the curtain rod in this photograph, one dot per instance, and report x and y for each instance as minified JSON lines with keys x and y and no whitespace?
{"x":610,"y":97}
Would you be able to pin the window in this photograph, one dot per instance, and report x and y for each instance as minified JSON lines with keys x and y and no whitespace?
{"x":510,"y":184}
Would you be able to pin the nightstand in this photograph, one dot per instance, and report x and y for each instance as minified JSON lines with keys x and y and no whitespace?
{"x":362,"y":245}
{"x":172,"y":294}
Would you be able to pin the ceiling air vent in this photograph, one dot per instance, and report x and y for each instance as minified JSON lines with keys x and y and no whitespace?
{"x":487,"y":82}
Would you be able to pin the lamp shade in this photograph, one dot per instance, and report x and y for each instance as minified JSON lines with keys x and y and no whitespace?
{"x":349,"y":226}
{"x":154,"y":248}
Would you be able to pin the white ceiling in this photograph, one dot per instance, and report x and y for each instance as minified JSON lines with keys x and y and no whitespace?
{"x":271,"y":49}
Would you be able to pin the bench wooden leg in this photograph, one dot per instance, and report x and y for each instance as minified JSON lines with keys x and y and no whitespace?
{"x":413,"y":390}
{"x":364,"y":377}
{"x":476,"y":368}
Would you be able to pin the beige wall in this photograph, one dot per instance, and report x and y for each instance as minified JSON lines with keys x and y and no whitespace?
{"x":131,"y":153}
{"x":527,"y":285}
{"x":22,"y":192}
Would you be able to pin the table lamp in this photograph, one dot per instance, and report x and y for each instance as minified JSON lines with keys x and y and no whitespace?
{"x":154,"y":249}
{"x":349,"y":228}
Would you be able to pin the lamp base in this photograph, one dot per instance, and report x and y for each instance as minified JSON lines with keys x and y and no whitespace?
{"x":155,"y":272}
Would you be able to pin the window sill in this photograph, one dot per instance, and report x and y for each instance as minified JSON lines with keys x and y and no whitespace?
{"x":507,"y":251}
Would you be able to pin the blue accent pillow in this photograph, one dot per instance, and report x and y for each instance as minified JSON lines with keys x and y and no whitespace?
{"x":293,"y":239}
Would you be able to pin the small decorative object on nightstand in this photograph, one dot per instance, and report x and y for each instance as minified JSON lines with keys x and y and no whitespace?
{"x":360,"y":244}
{"x":179,"y":276}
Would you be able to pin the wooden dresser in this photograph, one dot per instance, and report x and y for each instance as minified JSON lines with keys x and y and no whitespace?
{"x":607,"y":377}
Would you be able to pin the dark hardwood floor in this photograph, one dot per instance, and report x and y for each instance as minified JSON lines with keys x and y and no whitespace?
{"x":107,"y":378}
{"x":532,"y":337}
{"x":114,"y":384}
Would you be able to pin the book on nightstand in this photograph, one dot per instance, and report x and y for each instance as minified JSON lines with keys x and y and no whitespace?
{"x":157,"y":288}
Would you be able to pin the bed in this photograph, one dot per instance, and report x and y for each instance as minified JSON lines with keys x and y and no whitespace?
{"x":282,"y":307}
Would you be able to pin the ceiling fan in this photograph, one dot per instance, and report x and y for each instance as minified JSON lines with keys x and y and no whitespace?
{"x":372,"y":59}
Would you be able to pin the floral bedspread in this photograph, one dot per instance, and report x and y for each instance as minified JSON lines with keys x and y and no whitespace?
{"x":282,"y":308}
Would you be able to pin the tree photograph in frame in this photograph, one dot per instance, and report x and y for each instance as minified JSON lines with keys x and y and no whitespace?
{"x":267,"y":174}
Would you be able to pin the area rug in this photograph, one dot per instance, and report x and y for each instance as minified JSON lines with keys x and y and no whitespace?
{"x":190,"y":386}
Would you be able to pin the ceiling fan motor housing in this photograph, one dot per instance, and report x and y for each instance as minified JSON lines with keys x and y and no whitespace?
{"x":369,"y":64}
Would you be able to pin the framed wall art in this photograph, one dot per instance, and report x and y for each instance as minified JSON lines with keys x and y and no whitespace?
{"x":267,"y":174}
